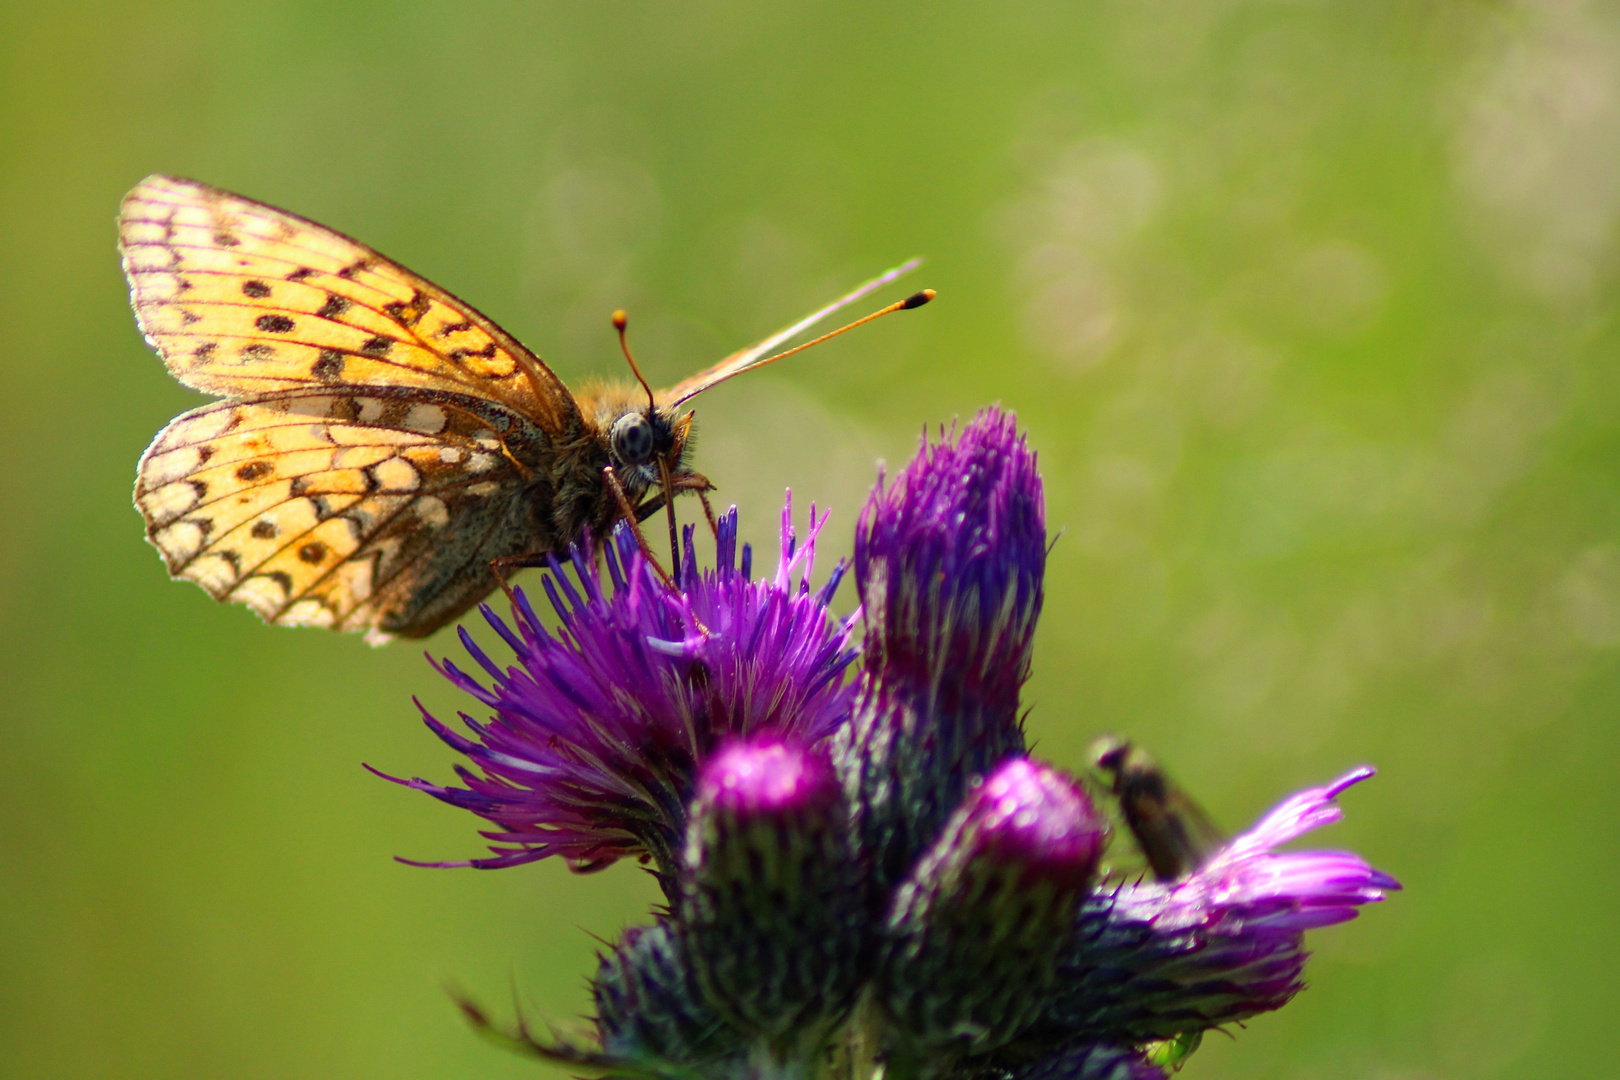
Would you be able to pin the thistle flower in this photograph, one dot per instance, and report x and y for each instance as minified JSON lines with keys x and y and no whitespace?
{"x":887,"y":843}
{"x":949,"y":562}
{"x":770,"y":909}
{"x":598,"y":730}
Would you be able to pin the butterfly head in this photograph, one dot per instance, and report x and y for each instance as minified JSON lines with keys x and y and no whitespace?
{"x":644,"y":437}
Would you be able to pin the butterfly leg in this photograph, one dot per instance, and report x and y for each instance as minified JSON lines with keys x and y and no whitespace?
{"x":708,"y":511}
{"x":504,"y":565}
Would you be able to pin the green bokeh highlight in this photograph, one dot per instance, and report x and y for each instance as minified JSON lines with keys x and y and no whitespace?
{"x":1309,"y":309}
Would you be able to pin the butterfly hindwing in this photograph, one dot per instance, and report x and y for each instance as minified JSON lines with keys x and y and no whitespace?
{"x":379,"y":507}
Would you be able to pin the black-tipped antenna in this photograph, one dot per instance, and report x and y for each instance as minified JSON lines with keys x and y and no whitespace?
{"x":915,"y":300}
{"x":621,"y":319}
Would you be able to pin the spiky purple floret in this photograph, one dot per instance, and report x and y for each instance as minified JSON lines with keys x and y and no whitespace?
{"x":1150,"y":961}
{"x":1031,"y":816}
{"x":949,"y":561}
{"x":766,"y":776}
{"x":599,"y":729}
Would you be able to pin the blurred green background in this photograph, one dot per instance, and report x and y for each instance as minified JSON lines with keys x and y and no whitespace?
{"x":1308,"y":306}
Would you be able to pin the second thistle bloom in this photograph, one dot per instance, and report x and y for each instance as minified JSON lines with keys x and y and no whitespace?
{"x":599,"y":729}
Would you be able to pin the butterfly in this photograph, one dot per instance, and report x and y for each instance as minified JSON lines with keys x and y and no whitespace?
{"x":382,"y":451}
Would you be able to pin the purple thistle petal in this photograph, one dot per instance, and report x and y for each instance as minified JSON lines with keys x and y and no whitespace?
{"x":770,"y":912}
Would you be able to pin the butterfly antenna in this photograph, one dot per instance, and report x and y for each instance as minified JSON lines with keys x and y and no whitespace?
{"x":915,"y":300}
{"x":621,"y":319}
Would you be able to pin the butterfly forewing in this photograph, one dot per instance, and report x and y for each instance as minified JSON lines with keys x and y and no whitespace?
{"x":381,"y":442}
{"x":241,"y":298}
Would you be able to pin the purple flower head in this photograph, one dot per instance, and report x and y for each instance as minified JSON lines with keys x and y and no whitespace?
{"x":872,"y":879}
{"x":1031,"y":816}
{"x":949,"y":561}
{"x":1153,"y":961}
{"x":599,"y":728}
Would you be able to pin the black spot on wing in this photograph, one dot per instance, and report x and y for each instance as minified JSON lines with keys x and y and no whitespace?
{"x":254,"y":470}
{"x":264,"y":530}
{"x":377,"y":346}
{"x":409,"y":314}
{"x":486,"y":353}
{"x":256,"y":289}
{"x":329,"y":367}
{"x":335,"y":305}
{"x":273,"y":324}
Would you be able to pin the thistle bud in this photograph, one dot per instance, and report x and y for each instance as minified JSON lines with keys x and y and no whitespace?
{"x":974,"y":932}
{"x":648,"y":1006}
{"x":949,"y":560}
{"x":770,"y":910}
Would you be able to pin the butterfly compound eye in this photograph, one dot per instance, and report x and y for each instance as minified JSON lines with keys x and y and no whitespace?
{"x":632,"y":439}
